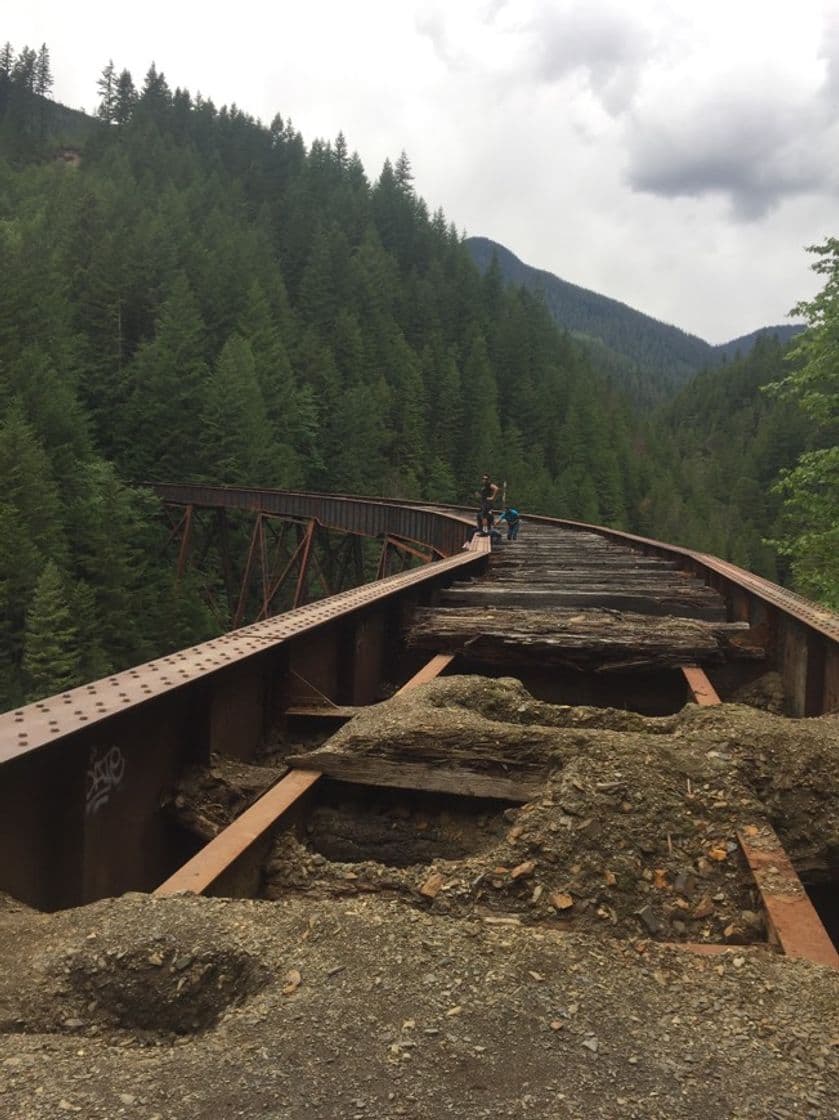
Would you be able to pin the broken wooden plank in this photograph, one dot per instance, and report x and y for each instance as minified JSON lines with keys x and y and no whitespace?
{"x":375,"y":771}
{"x":411,"y":744}
{"x":589,"y":639}
{"x":699,"y":604}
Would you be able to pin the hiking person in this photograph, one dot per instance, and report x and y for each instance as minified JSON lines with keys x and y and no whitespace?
{"x":511,"y":516}
{"x":486,"y":494}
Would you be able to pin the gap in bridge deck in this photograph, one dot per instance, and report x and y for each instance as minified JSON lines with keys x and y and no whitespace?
{"x":825,"y":898}
{"x":658,"y":692}
{"x":350,"y":823}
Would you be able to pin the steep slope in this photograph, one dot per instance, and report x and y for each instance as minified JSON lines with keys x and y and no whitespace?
{"x":644,"y":357}
{"x":742,"y":346}
{"x":667,"y":355}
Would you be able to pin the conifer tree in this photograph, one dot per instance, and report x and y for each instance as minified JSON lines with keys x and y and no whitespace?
{"x":107,"y":86}
{"x":235,"y":433}
{"x":43,"y":79}
{"x":19,"y":561}
{"x":51,"y":655}
{"x":125,"y":99}
{"x":165,"y":385}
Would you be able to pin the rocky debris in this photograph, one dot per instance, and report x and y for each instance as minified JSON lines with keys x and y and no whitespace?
{"x":766,"y":693}
{"x":369,"y":1008}
{"x":153,"y":977}
{"x":634,"y":827}
{"x":207,"y":800}
{"x":11,"y":905}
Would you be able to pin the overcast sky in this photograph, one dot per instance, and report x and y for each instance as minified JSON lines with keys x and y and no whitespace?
{"x":676,"y":156}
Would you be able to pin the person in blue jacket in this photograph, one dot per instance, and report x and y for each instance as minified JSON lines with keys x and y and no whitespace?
{"x":511,"y":516}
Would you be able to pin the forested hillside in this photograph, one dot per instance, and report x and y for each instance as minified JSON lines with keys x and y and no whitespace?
{"x":648,"y":359}
{"x":652,"y":358}
{"x":722,"y":443}
{"x":206,"y":297}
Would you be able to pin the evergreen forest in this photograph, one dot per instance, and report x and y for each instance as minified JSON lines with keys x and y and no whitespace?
{"x":189,"y":294}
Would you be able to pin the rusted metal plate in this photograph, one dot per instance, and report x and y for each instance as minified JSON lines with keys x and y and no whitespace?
{"x":26,"y":729}
{"x":217,"y":856}
{"x":442,"y":530}
{"x":701,"y":690}
{"x":793,"y":920}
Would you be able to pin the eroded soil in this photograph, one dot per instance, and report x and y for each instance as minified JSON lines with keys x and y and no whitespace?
{"x":431,"y":956}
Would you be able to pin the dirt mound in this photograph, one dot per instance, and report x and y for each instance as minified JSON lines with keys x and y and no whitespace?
{"x":633,"y":831}
{"x":207,"y":800}
{"x":112,"y":972}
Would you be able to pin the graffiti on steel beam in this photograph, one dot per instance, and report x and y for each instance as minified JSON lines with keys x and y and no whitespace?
{"x":105,"y":772}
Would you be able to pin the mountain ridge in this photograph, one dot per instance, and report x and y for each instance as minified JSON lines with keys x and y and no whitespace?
{"x":650,"y":358}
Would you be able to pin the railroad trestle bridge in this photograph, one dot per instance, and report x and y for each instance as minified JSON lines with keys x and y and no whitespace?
{"x":84,"y":773}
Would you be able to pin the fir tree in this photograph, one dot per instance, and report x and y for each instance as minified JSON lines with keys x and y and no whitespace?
{"x":107,"y":86}
{"x":51,"y":657}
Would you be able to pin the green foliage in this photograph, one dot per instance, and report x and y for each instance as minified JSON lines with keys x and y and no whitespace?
{"x":809,"y":524}
{"x":52,"y":656}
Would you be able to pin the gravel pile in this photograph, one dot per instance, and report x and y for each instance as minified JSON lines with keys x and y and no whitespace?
{"x":368,"y":1008}
{"x":634,"y":833}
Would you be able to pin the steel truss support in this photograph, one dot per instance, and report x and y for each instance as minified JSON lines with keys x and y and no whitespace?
{"x":280,"y":549}
{"x":391,"y":545}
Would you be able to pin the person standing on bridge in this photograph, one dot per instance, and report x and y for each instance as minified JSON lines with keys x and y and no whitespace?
{"x":486,"y":494}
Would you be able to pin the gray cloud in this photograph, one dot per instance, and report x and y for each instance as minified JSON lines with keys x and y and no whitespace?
{"x":491,"y":9}
{"x":606,"y":44}
{"x":431,"y":24}
{"x":757,"y":149}
{"x":830,"y":53}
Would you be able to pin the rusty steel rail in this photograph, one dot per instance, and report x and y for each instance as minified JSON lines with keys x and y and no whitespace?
{"x":794,"y":924}
{"x":83,"y":772}
{"x":213,"y":864}
{"x":46,"y":721}
{"x":442,"y":530}
{"x":801,"y":636}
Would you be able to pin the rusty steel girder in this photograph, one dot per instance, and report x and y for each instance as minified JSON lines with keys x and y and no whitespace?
{"x":425,"y":525}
